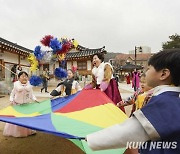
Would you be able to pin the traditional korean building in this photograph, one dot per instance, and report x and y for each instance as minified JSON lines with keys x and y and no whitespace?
{"x":81,"y":58}
{"x":10,"y":54}
{"x":141,"y":60}
{"x":125,"y":63}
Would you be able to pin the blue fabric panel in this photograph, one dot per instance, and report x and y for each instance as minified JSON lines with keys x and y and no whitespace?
{"x":59,"y":103}
{"x":41,"y":123}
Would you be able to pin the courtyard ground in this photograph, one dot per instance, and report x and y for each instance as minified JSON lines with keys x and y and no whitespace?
{"x":43,"y":143}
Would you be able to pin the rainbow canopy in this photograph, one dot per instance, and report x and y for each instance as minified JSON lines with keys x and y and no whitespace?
{"x":71,"y":117}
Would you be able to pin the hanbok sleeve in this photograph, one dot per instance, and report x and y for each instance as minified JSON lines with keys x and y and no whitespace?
{"x":107,"y":77}
{"x":12,"y":95}
{"x":118,"y":136}
{"x":33,"y":97}
{"x":107,"y":73}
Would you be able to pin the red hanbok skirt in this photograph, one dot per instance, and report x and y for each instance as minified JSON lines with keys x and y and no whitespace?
{"x":113,"y":93}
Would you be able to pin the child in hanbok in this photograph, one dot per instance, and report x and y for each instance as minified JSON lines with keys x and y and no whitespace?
{"x":68,"y":87}
{"x":128,"y":78}
{"x":158,"y":122}
{"x":22,"y":93}
{"x":139,"y":97}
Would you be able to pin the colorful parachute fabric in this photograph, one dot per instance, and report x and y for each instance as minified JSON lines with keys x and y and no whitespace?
{"x":71,"y":117}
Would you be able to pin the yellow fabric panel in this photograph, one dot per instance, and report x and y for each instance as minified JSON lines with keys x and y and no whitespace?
{"x":9,"y":111}
{"x":109,"y":115}
{"x":140,"y":100}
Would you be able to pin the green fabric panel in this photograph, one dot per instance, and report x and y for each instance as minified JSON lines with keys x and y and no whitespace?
{"x":71,"y":126}
{"x":81,"y":129}
{"x":78,"y":143}
{"x":43,"y":107}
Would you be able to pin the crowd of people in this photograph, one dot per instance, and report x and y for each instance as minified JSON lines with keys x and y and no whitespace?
{"x":156,"y":102}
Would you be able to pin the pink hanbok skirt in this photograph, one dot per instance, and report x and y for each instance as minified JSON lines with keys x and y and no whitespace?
{"x":17,"y":131}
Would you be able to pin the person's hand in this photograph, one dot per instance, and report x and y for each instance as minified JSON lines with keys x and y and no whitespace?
{"x":118,"y":104}
{"x":84,"y":138}
{"x":121,"y":103}
{"x":88,"y":86}
{"x":11,"y":103}
{"x":103,"y":86}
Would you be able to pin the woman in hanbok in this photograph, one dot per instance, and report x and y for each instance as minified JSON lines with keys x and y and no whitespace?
{"x":102,"y":74}
{"x":135,"y":80}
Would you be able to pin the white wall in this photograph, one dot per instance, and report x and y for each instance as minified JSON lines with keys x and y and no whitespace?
{"x":13,"y":58}
{"x":24,"y":61}
{"x":75,"y":63}
{"x":69,"y":65}
{"x":89,"y":65}
{"x":26,"y":69}
{"x":10,"y":57}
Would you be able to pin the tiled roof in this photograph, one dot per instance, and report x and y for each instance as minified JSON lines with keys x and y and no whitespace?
{"x":129,"y":66}
{"x":84,"y":52}
{"x":13,"y":47}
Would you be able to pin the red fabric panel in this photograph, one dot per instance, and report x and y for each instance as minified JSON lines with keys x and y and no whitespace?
{"x":86,"y":99}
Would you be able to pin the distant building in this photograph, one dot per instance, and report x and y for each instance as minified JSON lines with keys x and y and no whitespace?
{"x":141,"y":60}
{"x":141,"y":49}
{"x":110,"y":56}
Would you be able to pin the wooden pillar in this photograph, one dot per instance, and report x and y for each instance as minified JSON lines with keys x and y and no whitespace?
{"x":19,"y":59}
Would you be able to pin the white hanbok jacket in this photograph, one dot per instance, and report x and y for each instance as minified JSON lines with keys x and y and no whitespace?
{"x":22,"y":93}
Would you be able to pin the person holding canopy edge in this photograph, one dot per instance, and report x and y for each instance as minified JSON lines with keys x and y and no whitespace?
{"x":102,"y":74}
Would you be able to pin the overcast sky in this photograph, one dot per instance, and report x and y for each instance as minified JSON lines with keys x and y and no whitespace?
{"x":118,"y":24}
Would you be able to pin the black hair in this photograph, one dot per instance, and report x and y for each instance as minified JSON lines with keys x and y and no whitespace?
{"x":21,"y":73}
{"x":19,"y":67}
{"x":168,"y":59}
{"x":13,"y":69}
{"x":100,"y":56}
